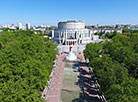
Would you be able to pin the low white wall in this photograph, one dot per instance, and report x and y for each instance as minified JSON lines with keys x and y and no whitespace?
{"x":65,"y":48}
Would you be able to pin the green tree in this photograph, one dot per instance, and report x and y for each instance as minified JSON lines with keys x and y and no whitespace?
{"x":26,"y":63}
{"x":117,"y":68}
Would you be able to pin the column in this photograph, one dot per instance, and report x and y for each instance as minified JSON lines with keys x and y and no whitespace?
{"x":66,"y":34}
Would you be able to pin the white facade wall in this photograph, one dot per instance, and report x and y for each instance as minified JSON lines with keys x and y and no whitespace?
{"x":72,"y":31}
{"x":20,"y":25}
{"x":95,"y":37}
{"x":71,"y":25}
{"x":65,"y":48}
{"x":28,"y":26}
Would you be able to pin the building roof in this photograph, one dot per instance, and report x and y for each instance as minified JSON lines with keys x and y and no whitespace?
{"x":71,"y":21}
{"x":107,"y":29}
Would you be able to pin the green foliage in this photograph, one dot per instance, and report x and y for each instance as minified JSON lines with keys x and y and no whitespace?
{"x":50,"y":28}
{"x":92,"y":51}
{"x":117,"y":69}
{"x":107,"y":34}
{"x":127,"y":91}
{"x":7,"y":29}
{"x":111,"y":35}
{"x":26,"y":63}
{"x":135,"y":31}
{"x":100,"y":33}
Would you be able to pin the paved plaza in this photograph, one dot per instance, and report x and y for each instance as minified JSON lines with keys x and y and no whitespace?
{"x":73,"y":82}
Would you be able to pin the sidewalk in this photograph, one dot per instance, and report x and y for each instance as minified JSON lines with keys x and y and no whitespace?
{"x":89,"y":85}
{"x":54,"y":90}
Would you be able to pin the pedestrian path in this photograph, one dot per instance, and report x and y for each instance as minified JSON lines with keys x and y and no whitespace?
{"x":71,"y":90}
{"x":90,"y":86}
{"x":73,"y":82}
{"x":54,"y":90}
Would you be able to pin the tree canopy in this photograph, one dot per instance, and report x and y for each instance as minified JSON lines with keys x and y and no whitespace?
{"x":115,"y":64}
{"x":26,"y":61}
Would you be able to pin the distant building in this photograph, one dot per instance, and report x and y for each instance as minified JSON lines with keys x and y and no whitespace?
{"x":127,"y":26}
{"x":28,"y":26}
{"x":41,"y":28}
{"x":133,"y":29}
{"x":6,"y":26}
{"x":72,"y":31}
{"x":95,"y":37}
{"x":20,"y":26}
{"x":109,"y":30}
{"x":12,"y":27}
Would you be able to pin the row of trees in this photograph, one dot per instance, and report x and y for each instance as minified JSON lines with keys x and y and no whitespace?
{"x":26,"y":61}
{"x":117,"y":67}
{"x":107,"y":34}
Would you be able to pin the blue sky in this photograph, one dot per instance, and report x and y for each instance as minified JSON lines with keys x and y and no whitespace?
{"x":49,"y":11}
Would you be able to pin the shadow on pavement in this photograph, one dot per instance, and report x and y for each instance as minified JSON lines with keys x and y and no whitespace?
{"x":88,"y":85}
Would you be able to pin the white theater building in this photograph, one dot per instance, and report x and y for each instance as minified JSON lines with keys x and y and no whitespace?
{"x":72,"y":31}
